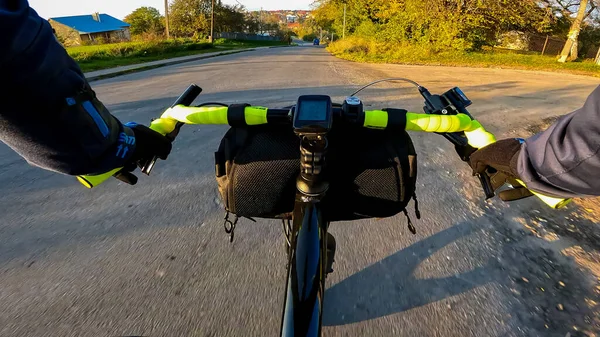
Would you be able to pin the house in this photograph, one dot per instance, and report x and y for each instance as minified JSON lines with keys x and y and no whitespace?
{"x":290,"y":18}
{"x":90,"y":29}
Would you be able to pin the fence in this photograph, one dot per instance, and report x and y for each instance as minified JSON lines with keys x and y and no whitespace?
{"x":549,"y":45}
{"x":546,"y":44}
{"x":244,"y":36}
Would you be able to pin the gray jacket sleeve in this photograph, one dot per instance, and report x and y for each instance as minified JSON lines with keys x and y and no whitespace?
{"x":564,"y":160}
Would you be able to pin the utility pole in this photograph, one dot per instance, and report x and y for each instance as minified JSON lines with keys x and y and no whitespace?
{"x":212,"y":23}
{"x":344,"y":32}
{"x":260,"y":21}
{"x":167,"y":18}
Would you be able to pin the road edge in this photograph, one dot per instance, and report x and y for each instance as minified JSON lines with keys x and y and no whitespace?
{"x":498,"y":67}
{"x":170,"y":63}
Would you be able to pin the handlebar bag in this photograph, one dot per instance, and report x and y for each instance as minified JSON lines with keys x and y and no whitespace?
{"x":372,"y":173}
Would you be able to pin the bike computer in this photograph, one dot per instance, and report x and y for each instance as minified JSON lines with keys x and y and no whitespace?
{"x":313,"y":114}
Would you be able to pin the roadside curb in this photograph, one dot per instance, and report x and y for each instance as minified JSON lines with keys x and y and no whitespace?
{"x":168,"y":63}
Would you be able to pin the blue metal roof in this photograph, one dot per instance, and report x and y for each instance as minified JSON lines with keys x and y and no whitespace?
{"x":87,"y":24}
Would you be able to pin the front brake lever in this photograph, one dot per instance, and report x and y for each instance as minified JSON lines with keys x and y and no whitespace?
{"x":452,"y":102}
{"x":486,"y":183}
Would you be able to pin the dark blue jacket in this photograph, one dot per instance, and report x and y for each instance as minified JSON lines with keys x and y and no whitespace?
{"x":38,"y":80}
{"x":37,"y":76}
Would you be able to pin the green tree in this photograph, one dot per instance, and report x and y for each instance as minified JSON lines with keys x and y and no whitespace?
{"x":229,"y":18}
{"x":438,"y":24}
{"x":190,"y":18}
{"x":252,"y":23}
{"x":145,"y":20}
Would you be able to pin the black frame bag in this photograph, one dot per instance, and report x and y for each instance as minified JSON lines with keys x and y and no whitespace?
{"x":372,"y":173}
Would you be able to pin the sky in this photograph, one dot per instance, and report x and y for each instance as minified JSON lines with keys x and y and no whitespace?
{"x":120,"y":8}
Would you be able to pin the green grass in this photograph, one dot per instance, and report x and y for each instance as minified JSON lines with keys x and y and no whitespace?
{"x":106,"y":56}
{"x":360,"y":50}
{"x":248,"y":43}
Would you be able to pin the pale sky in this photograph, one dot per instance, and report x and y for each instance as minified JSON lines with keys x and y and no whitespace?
{"x":120,"y":8}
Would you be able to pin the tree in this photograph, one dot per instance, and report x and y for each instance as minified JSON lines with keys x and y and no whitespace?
{"x":570,"y":49}
{"x":229,"y":18}
{"x":145,"y":20}
{"x":252,"y":23}
{"x":436,"y":24}
{"x":190,"y":18}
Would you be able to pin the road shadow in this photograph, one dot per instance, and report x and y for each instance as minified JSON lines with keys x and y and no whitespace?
{"x":533,"y":274}
{"x":389,"y":287}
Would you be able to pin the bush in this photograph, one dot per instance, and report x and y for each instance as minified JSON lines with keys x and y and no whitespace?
{"x":134,"y":49}
{"x":151,"y":36}
{"x":363,"y":50}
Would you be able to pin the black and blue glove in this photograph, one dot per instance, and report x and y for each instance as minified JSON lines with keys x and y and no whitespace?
{"x":148,"y":144}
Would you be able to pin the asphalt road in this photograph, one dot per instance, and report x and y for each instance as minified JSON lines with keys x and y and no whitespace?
{"x":153,"y":259}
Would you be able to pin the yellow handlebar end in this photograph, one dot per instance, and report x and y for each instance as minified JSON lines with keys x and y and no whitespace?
{"x":91,"y":181}
{"x":84,"y":182}
{"x":563,"y":203}
{"x":478,"y":136}
{"x":553,"y":202}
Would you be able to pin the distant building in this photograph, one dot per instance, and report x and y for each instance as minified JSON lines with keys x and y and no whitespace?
{"x":88,"y":29}
{"x":291,"y":18}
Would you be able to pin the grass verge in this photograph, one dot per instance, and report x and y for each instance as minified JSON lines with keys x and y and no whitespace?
{"x":98,"y":57}
{"x":362,"y":50}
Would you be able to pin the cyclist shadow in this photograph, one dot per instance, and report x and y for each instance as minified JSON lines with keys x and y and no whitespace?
{"x":389,"y":286}
{"x":393,"y":285}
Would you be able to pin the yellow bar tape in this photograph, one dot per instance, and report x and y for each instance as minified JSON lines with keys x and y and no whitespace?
{"x":255,"y":115}
{"x":437,"y":123}
{"x":195,"y":115}
{"x":376,"y":119}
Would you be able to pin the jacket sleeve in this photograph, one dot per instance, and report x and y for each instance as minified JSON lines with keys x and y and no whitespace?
{"x":564,"y":160}
{"x":48,"y":112}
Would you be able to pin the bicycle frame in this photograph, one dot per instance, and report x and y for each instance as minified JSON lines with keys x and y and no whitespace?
{"x":307,"y":253}
{"x":306,"y":271}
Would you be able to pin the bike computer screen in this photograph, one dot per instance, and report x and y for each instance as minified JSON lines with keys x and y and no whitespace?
{"x":313,"y":114}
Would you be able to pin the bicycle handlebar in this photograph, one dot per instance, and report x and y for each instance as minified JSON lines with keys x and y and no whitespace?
{"x":177,"y":115}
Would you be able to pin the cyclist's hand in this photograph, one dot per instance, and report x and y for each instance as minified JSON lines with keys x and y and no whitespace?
{"x":148,"y":144}
{"x":499,"y":161}
{"x":501,"y":156}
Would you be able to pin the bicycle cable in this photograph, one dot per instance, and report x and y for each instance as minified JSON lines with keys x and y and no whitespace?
{"x":211,"y":103}
{"x":387,"y":80}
